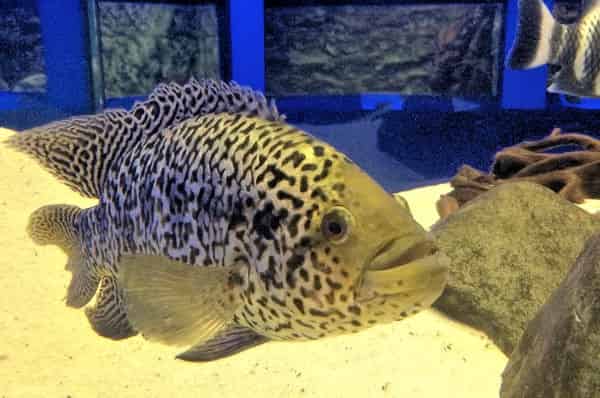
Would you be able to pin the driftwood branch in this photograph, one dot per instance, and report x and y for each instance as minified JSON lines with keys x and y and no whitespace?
{"x":574,"y":175}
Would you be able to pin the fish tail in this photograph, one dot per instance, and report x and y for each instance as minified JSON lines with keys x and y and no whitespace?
{"x":57,"y":225}
{"x":533,"y":42}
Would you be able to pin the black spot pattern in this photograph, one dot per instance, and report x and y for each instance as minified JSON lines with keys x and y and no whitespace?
{"x":181,"y":178}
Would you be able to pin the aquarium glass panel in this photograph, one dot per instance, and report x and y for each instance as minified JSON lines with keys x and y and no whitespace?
{"x":143,"y":44}
{"x":407,"y":49}
{"x":21,"y":51}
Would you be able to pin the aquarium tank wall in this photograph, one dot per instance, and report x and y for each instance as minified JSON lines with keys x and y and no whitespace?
{"x":166,"y":232}
{"x":422,"y":80}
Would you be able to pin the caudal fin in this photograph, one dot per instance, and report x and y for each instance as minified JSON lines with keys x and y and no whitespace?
{"x":532,"y":45}
{"x":57,"y":225}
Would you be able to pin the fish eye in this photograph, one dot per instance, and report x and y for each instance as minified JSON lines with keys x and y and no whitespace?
{"x":335,"y":225}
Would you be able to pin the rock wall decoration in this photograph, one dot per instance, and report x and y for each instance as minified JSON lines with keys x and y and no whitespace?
{"x":21,"y":56}
{"x":143,"y":44}
{"x":465,"y":62}
{"x":391,"y":48}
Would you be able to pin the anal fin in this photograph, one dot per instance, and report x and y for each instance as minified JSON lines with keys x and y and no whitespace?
{"x":109,"y":317}
{"x":564,"y":82}
{"x":229,"y":341}
{"x":83,"y":284}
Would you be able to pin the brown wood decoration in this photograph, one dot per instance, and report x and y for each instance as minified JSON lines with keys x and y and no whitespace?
{"x":574,"y":175}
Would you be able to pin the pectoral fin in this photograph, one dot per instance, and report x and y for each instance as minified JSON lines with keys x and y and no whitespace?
{"x":176,"y":303}
{"x":229,"y":341}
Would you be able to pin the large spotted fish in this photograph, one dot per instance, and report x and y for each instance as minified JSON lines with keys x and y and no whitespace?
{"x":221,"y":227}
{"x":575,"y":48}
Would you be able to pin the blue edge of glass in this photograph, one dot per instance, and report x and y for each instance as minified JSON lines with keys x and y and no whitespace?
{"x":69,"y":77}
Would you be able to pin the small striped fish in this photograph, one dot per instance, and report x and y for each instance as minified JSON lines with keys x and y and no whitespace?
{"x":220,"y":227}
{"x":575,"y":47}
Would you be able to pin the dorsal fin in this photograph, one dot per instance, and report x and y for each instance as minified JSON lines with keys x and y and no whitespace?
{"x":79,"y":151}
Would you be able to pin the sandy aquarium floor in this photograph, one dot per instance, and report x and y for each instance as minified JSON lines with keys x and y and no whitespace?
{"x":48,"y":350}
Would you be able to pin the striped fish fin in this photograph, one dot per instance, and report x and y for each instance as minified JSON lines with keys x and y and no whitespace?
{"x":229,"y":341}
{"x":533,"y":42}
{"x":564,"y":82}
{"x":108,"y":317}
{"x":80,"y":151}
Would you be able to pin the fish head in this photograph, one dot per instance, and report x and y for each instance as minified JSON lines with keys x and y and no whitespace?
{"x":348,"y":256}
{"x":388,"y":266}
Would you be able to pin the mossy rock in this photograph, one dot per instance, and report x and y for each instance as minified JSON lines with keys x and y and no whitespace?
{"x":510,"y":249}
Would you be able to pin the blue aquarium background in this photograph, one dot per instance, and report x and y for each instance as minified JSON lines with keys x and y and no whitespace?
{"x":410,"y":90}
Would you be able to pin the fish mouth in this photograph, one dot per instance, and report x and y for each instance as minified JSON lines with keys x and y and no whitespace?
{"x":420,"y":270}
{"x":392,"y":254}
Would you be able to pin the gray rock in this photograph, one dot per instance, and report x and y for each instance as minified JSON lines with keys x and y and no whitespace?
{"x":510,"y":248}
{"x":559,"y":353}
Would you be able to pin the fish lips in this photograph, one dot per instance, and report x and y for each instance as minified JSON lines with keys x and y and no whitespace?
{"x":419,"y":271}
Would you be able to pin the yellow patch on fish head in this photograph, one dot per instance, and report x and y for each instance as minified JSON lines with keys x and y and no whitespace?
{"x":365,"y":261}
{"x":358,"y":219}
{"x":342,"y":255}
{"x":384,"y":254}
